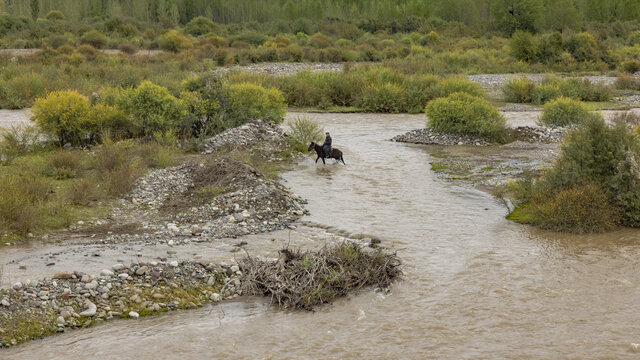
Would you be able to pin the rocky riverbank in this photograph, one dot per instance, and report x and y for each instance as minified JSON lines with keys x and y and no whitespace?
{"x":70,"y":300}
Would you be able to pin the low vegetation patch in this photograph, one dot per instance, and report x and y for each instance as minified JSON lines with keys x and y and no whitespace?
{"x":304,"y":280}
{"x":523,"y":90}
{"x":461,"y":113}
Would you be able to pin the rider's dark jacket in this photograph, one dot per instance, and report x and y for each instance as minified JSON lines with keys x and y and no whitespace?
{"x":326,"y":147}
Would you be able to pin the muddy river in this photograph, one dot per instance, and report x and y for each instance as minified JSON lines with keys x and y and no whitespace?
{"x":476,"y":287}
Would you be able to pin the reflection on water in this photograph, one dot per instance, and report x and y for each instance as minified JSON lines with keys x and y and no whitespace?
{"x":476,"y":285}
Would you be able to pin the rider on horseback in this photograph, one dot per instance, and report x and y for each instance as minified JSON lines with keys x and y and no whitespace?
{"x":326,"y":147}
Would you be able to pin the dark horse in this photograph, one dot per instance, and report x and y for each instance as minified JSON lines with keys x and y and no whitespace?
{"x":334,"y":154}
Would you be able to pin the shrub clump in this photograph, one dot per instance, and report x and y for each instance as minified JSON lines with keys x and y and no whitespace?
{"x":564,"y":111}
{"x":518,"y":90}
{"x":247,"y":101}
{"x":461,"y":113}
{"x":151,"y":108}
{"x":304,"y":280}
{"x":64,"y":114}
{"x":303,"y":132}
{"x":594,"y":183}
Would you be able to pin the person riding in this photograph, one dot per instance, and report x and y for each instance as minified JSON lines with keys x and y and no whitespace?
{"x":326,"y":147}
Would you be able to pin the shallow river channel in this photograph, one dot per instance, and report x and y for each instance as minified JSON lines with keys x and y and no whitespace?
{"x":476,"y":286}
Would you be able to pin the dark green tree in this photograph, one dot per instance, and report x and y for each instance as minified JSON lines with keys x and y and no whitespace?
{"x":35,"y":9}
{"x":514,"y":15}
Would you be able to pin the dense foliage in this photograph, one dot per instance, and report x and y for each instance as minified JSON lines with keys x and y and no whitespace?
{"x":593,"y":184}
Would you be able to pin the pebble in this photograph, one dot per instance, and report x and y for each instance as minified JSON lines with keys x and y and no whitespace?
{"x":91,"y":309}
{"x":5,"y":302}
{"x":142,"y":270}
{"x":17,"y":286}
{"x":133,"y":315}
{"x":173,"y":264}
{"x":106,"y":273}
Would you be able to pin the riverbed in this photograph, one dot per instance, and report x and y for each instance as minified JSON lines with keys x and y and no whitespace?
{"x":476,"y":285}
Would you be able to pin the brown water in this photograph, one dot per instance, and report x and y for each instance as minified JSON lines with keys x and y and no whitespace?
{"x":476,"y":285}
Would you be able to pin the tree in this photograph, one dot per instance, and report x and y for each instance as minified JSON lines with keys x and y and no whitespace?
{"x":561,"y":15}
{"x":513,"y":15}
{"x":35,"y":9}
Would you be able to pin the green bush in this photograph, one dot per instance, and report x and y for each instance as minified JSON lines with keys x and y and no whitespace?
{"x":564,"y":111}
{"x":583,"y":47}
{"x":518,"y":90}
{"x":594,"y":159}
{"x":94,"y":38}
{"x":55,"y":15}
{"x":64,"y":114}
{"x":456,"y":84}
{"x":543,"y":93}
{"x":19,"y":91}
{"x":634,"y":38}
{"x":151,"y":108}
{"x":218,"y":41}
{"x":173,"y":41}
{"x":461,"y":113}
{"x":118,"y":165}
{"x":523,"y":46}
{"x":320,"y":40}
{"x":385,"y":98}
{"x":303,"y":132}
{"x":63,"y":164}
{"x":129,"y":49}
{"x":200,"y":26}
{"x":246,"y":101}
{"x":630,"y":66}
{"x":581,"y":209}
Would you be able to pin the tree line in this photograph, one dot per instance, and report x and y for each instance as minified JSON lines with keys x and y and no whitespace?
{"x":484,"y":15}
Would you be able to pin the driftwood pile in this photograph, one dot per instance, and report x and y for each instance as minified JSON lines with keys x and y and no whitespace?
{"x":303,"y":280}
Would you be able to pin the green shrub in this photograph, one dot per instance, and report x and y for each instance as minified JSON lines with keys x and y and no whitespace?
{"x":303,"y":132}
{"x":109,"y":120}
{"x":88,"y":51}
{"x":200,"y":26}
{"x":518,"y":90}
{"x":218,"y":41}
{"x":523,"y":46}
{"x":55,"y":15}
{"x":543,"y":93}
{"x":64,"y":114}
{"x":581,"y":209}
{"x":583,"y":47}
{"x":320,"y":40}
{"x":564,"y":111}
{"x":630,"y":66}
{"x":237,"y":44}
{"x":386,"y":98}
{"x":634,"y":38}
{"x":155,"y":155}
{"x":595,"y":158}
{"x":94,"y":38}
{"x":173,"y":41}
{"x":461,"y":113}
{"x":151,"y":108}
{"x":19,"y":91}
{"x":248,"y":101}
{"x":456,"y":84}
{"x":583,"y":89}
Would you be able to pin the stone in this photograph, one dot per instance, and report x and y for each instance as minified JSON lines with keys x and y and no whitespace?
{"x":91,"y":309}
{"x":235,"y":268}
{"x":85,"y":278}
{"x":216,"y":297}
{"x":142,"y":270}
{"x":62,"y":275}
{"x":64,"y":314}
{"x":61,"y":320}
{"x":123,"y":276}
{"x":92,"y":285}
{"x":5,"y":302}
{"x":173,"y":264}
{"x":118,"y":266}
{"x":133,"y":315}
{"x":106,"y":273}
{"x":17,"y":286}
{"x":196,"y":229}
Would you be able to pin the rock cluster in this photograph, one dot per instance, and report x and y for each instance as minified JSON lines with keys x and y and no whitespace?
{"x":244,"y":135}
{"x":285,"y":68}
{"x":76,"y":299}
{"x":430,"y":137}
{"x":543,"y":134}
{"x":154,"y":188}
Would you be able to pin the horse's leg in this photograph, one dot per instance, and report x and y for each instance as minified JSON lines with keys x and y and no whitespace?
{"x":324,"y":162}
{"x":341,"y":159}
{"x":317,"y":159}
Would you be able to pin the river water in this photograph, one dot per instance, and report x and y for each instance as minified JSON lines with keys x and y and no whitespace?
{"x":476,"y":286}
